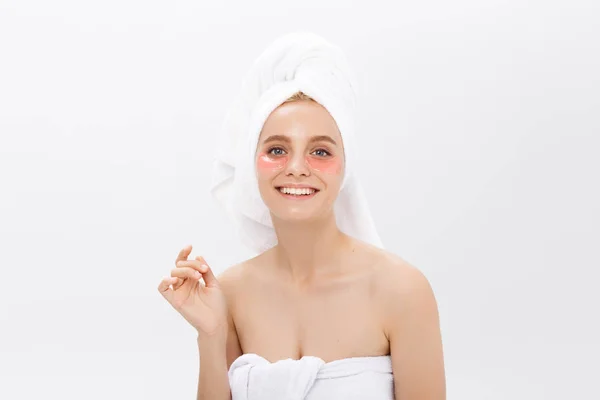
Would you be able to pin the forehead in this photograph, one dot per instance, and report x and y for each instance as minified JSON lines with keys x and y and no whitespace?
{"x":300,"y":120}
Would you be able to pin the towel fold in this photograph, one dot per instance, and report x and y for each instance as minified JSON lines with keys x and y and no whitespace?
{"x":251,"y":377}
{"x":298,"y":61}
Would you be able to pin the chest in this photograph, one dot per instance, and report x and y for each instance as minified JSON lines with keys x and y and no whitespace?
{"x":332,"y":323}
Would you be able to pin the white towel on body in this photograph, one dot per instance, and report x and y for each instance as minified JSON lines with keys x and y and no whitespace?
{"x":251,"y":377}
{"x":298,"y":61}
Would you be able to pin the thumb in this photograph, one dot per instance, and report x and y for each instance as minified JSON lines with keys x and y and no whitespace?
{"x":209,"y":278}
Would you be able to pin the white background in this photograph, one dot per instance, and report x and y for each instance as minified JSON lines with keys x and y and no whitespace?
{"x":480,"y":138}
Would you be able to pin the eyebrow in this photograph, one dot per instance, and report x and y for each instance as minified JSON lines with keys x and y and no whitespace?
{"x":282,"y":138}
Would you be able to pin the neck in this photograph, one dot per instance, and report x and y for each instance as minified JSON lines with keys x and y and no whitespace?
{"x":308,"y":250}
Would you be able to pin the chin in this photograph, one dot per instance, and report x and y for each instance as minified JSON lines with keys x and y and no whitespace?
{"x":294,"y":214}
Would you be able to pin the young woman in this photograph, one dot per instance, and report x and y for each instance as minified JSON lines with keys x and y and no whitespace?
{"x":320,"y":315}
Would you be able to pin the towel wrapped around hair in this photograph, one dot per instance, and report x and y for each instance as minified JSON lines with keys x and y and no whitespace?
{"x":298,"y":61}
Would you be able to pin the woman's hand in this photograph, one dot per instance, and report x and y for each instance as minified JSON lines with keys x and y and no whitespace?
{"x":196,"y":294}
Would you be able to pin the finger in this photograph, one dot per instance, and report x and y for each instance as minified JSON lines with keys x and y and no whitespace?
{"x":209,"y":278}
{"x":184,"y":253}
{"x":186,"y":272}
{"x":164,"y":288}
{"x":178,"y":283}
{"x":166,"y":283}
{"x":198,"y":264}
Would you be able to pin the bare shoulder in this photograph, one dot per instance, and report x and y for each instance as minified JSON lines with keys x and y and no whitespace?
{"x":397,"y":277}
{"x":231,"y":276}
{"x":390,"y":274}
{"x":401,"y":288}
{"x":239,"y":276}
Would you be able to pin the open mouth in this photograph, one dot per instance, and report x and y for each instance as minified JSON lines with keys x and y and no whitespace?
{"x":297,"y":193}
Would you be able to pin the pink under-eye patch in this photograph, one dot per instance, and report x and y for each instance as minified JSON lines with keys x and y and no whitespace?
{"x":332,"y":166}
{"x":266,"y":162}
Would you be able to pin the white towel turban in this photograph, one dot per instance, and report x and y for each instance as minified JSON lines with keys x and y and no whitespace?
{"x":298,"y":61}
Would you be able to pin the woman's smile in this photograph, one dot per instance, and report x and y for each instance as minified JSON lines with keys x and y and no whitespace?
{"x":295,"y":193}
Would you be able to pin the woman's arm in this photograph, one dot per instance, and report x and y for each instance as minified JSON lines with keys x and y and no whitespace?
{"x":217,"y":353}
{"x":213,"y":382}
{"x":412,"y":327}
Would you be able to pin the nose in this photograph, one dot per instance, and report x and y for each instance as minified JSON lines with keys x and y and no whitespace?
{"x":297,"y":166}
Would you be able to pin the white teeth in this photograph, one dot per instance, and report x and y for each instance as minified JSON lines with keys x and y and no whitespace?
{"x":297,"y":192}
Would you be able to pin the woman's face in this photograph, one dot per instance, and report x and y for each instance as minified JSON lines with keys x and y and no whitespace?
{"x":299,"y":161}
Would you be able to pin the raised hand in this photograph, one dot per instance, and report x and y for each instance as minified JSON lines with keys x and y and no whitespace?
{"x":196,"y":294}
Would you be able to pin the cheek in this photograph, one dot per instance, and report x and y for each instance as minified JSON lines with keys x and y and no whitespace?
{"x":268,"y":164}
{"x":331,"y":166}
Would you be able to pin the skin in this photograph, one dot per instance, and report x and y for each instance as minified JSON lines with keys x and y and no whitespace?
{"x":320,"y":292}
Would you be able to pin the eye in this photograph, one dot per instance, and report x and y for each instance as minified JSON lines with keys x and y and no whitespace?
{"x":323,"y":152}
{"x":276,"y":151}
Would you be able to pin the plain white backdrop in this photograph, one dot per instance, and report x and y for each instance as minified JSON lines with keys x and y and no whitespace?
{"x":479,"y":132}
